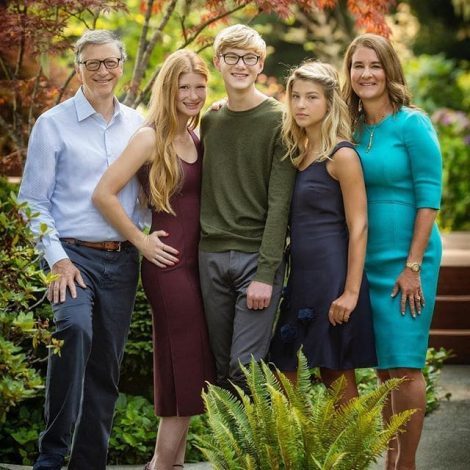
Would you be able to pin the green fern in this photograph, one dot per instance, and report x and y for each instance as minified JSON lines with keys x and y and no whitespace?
{"x":281,"y":426}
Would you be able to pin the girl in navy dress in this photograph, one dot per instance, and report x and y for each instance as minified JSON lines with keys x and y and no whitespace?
{"x":326,"y":310}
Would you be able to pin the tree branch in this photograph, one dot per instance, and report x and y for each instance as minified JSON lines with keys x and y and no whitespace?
{"x":8,"y":132}
{"x":213,"y":20}
{"x":5,"y":69}
{"x":140,"y":52}
{"x":33,"y":96}
{"x":19,"y":60}
{"x":64,"y":86}
{"x":141,"y":66}
{"x":140,"y":97}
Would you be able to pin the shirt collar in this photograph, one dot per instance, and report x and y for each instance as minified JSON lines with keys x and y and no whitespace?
{"x":85,"y":109}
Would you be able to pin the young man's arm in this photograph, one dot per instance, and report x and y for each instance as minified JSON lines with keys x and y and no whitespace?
{"x":281,"y":183}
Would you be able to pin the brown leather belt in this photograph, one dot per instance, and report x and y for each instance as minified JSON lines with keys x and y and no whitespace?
{"x":105,"y":246}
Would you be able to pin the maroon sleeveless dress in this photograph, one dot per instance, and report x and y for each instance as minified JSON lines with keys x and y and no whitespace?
{"x":182,"y":358}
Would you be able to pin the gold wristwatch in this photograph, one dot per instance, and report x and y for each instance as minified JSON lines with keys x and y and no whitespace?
{"x":414,"y":266}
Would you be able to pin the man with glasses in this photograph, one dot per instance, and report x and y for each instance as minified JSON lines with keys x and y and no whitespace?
{"x":92,"y":296}
{"x":246,"y":191}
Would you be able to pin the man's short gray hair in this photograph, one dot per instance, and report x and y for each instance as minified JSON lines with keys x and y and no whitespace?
{"x":98,"y":36}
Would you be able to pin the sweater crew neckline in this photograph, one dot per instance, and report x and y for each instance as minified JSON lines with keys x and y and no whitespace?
{"x":247,"y":112}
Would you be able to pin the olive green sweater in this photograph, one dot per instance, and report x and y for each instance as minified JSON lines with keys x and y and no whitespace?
{"x":246,"y":188}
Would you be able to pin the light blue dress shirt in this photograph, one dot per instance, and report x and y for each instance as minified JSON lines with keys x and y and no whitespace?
{"x":70,"y":148}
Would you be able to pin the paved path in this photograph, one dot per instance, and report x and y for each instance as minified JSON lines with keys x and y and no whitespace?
{"x":445,"y":444}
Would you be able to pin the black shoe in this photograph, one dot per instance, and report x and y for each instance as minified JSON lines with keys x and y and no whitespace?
{"x":40,"y":466}
{"x":49,"y":462}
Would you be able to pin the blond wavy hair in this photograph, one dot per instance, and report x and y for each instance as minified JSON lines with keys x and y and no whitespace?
{"x":336,"y":123}
{"x":397,"y":89}
{"x":165,"y":173}
{"x":240,"y":36}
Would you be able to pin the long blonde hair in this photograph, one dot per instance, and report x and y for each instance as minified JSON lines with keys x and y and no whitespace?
{"x":165,"y":168}
{"x":397,"y":89}
{"x":336,"y":123}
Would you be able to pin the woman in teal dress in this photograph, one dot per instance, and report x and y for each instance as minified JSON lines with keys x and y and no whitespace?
{"x":401,"y":161}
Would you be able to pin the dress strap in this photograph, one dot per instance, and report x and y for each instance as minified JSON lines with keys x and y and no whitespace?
{"x":198,"y":143}
{"x":341,"y":145}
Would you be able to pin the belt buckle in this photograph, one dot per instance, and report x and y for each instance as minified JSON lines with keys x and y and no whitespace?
{"x":109,"y":246}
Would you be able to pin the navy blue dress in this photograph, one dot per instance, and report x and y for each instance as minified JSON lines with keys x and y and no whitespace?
{"x":319,"y":261}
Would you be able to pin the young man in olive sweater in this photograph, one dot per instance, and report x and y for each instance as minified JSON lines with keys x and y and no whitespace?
{"x":246,"y":191}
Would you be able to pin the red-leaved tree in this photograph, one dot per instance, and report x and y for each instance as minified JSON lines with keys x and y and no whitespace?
{"x":33,"y":35}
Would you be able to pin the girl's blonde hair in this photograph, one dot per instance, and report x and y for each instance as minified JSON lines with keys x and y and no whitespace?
{"x":397,"y":89}
{"x":336,"y":123}
{"x":165,"y":167}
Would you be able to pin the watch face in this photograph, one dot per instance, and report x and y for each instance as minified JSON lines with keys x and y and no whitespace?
{"x":415,"y":267}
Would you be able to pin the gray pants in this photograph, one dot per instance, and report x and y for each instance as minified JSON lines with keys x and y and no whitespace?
{"x":82,"y":383}
{"x":235,"y":332}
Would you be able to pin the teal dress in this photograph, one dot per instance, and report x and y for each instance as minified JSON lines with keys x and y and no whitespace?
{"x":402,"y":171}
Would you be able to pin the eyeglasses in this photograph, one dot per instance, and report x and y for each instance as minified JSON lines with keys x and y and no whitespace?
{"x":92,"y":65}
{"x":233,"y":59}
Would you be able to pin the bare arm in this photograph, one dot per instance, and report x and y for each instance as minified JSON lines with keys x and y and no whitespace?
{"x":346,"y":168}
{"x":105,"y":197}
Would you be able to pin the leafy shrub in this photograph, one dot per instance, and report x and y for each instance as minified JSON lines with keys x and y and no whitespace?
{"x":22,"y":289}
{"x":135,"y":430}
{"x":285,"y":426}
{"x":137,"y":365}
{"x":441,"y":87}
{"x":437,"y":82}
{"x":432,"y":371}
{"x":453,"y":128}
{"x":19,"y":434}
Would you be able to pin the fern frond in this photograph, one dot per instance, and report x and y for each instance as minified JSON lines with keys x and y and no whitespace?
{"x":395,"y":425}
{"x":270,"y":377}
{"x":333,"y":459}
{"x":258,"y":435}
{"x":257,"y":386}
{"x":380,"y":394}
{"x":324,"y":416}
{"x":304,"y":384}
{"x":289,"y":441}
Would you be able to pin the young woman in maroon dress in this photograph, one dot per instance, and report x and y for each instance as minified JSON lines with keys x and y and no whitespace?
{"x":166,"y":156}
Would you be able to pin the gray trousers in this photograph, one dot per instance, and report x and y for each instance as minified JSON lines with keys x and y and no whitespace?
{"x":82,"y":383}
{"x":235,"y":332}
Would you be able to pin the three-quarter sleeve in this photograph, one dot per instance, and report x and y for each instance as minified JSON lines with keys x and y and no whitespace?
{"x":425,"y":158}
